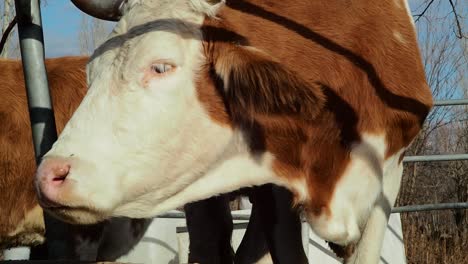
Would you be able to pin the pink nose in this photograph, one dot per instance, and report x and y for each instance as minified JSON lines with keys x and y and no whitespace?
{"x":50,"y":178}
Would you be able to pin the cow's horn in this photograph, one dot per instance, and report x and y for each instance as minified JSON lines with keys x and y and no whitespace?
{"x":102,"y":9}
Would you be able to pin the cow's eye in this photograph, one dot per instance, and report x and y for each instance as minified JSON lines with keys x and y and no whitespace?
{"x":161,"y":68}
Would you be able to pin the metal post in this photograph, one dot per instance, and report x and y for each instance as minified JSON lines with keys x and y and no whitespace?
{"x":41,"y":114}
{"x":35,"y":76}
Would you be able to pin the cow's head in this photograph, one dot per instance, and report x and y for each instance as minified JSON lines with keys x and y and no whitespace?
{"x":169,"y":117}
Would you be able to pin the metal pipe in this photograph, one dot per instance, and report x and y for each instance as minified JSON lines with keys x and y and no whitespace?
{"x":181,"y":215}
{"x":401,"y":209}
{"x":41,"y":114}
{"x":32,"y":54}
{"x":426,"y":158}
{"x":451,"y":102}
{"x":429,"y":207}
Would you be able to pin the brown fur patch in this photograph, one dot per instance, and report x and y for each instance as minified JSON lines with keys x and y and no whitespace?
{"x":255,"y":84}
{"x":371,"y":82}
{"x":67,"y":81}
{"x":208,"y":91}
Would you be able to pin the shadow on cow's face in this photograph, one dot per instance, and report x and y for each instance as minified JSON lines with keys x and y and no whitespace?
{"x":140,"y":135}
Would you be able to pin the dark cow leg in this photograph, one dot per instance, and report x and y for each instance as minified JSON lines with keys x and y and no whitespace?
{"x":209,"y":224}
{"x":253,"y":245}
{"x":281,"y":226}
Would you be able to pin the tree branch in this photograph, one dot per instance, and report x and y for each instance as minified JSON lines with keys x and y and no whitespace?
{"x":459,"y":34}
{"x":6,"y":34}
{"x":423,"y":12}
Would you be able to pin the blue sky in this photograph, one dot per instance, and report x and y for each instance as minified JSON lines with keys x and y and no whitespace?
{"x":61,"y":23}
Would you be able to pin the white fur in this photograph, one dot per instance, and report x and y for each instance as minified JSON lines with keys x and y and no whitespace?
{"x":142,"y":137}
{"x":300,"y":187}
{"x":362,"y":200}
{"x":229,"y":175}
{"x":369,"y":247}
{"x":205,"y":8}
{"x":151,"y":143}
{"x":355,"y":193}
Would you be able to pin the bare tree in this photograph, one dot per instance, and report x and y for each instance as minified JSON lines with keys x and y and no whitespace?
{"x":92,"y":33}
{"x":439,"y":236}
{"x":7,"y":16}
{"x":455,"y":7}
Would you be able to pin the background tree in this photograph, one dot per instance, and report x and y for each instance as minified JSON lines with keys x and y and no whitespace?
{"x":92,"y":33}
{"x":439,"y":236}
{"x":7,"y":11}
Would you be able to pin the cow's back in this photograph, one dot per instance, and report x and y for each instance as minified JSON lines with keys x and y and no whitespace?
{"x":355,"y":52}
{"x":21,"y":217}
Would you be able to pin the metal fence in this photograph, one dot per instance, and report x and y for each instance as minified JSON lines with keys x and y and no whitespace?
{"x":436,"y":158}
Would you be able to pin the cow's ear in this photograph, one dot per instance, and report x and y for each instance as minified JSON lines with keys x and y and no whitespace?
{"x":255,"y":85}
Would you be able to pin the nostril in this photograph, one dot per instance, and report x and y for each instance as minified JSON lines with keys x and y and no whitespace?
{"x":61,"y":173}
{"x":58,"y":179}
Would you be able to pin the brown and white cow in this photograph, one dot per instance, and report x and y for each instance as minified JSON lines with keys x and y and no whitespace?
{"x":21,"y":217}
{"x":191,"y":98}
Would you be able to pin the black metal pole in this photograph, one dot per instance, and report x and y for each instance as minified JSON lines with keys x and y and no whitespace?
{"x":41,"y":114}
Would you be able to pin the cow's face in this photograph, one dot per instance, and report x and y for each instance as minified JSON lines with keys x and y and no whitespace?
{"x":141,"y":134}
{"x":168,"y":119}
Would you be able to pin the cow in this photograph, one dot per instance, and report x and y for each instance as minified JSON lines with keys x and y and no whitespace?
{"x":188,"y":99}
{"x":23,"y":225}
{"x":21,"y":222}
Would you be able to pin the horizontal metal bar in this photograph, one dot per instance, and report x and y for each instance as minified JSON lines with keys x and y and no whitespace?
{"x":172,"y":215}
{"x":448,"y":157}
{"x":179,"y":215}
{"x":401,"y":209}
{"x":429,"y":207}
{"x":451,"y":102}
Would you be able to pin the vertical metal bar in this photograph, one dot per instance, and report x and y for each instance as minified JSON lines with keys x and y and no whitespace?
{"x":32,"y":55}
{"x":41,"y":114}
